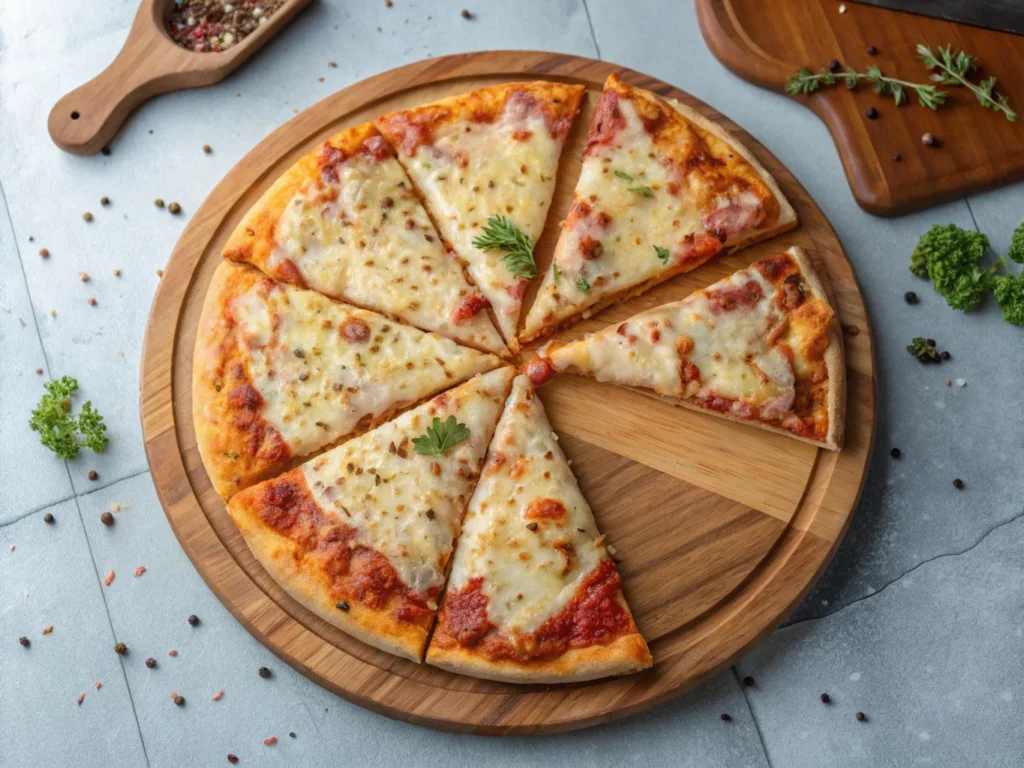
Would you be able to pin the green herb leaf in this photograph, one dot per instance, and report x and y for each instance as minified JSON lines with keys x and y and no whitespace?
{"x":1016,"y":252}
{"x":503,"y":234}
{"x":1009,"y":293}
{"x":440,"y":436}
{"x":641,"y":190}
{"x":923,"y":351}
{"x":582,"y":284}
{"x":805,"y":81}
{"x":950,"y":257}
{"x":623,"y":175}
{"x":663,"y":253}
{"x":555,"y":273}
{"x":58,"y":429}
{"x":952,"y":68}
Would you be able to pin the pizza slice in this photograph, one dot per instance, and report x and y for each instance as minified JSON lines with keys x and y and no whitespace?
{"x":533,"y":595}
{"x":279,"y":372}
{"x":485,"y":163}
{"x":361,"y":535}
{"x":762,"y":347}
{"x":346,"y":221}
{"x":662,"y":190}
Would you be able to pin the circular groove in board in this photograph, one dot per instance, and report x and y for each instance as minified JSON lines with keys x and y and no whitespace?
{"x":721,"y":529}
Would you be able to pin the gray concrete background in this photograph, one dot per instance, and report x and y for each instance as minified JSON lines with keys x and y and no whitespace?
{"x":919,"y":621}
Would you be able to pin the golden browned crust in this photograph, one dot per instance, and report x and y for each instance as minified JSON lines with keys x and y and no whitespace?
{"x":625,"y":654}
{"x":237,"y":445}
{"x":408,"y":129}
{"x":254,"y":238}
{"x":303,"y":577}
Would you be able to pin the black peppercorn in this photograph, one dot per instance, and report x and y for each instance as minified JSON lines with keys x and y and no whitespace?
{"x":958,"y":484}
{"x":930,"y":342}
{"x":150,"y":662}
{"x":106,"y":151}
{"x":48,"y":518}
{"x":291,"y":734}
{"x":107,"y":519}
{"x":179,"y":700}
{"x":825,"y":698}
{"x":895,"y":453}
{"x":872,"y":51}
{"x":897,"y":156}
{"x":342,"y":605}
{"x":24,"y":641}
{"x":861,"y":716}
{"x":833,"y":65}
{"x":910,"y":297}
{"x":726,"y":717}
{"x":870,"y":113}
{"x":945,"y":355}
{"x":264,"y":672}
{"x":193,"y":619}
{"x":120,"y":649}
{"x":748,"y":681}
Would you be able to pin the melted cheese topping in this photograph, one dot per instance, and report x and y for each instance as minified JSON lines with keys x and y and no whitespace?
{"x":639,"y":221}
{"x":528,"y":575}
{"x":404,"y":505}
{"x":317,"y":382}
{"x":732,"y":349}
{"x":367,"y":239}
{"x":473,"y":171}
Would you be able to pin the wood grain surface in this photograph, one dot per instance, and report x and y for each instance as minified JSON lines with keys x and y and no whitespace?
{"x":979,"y":149}
{"x":721,"y":529}
{"x":150,"y":63}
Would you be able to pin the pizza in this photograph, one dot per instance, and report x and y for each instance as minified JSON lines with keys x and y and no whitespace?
{"x":662,"y":190}
{"x":346,"y":221}
{"x":534,"y":595}
{"x":762,"y":347}
{"x":485,"y":163}
{"x":279,"y":372}
{"x":361,"y":535}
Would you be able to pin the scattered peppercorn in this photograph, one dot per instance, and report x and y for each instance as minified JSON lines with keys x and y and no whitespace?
{"x":44,"y":252}
{"x":748,"y":681}
{"x":910,"y":297}
{"x":872,"y":51}
{"x":104,"y":200}
{"x":861,"y":717}
{"x":207,"y":148}
{"x":532,"y":526}
{"x":151,"y":662}
{"x":870,"y":113}
{"x":179,"y":700}
{"x":897,"y":156}
{"x":87,"y":216}
{"x":945,"y":355}
{"x":929,"y":140}
{"x":825,"y":698}
{"x":93,"y":474}
{"x":39,"y":371}
{"x":726,"y":717}
{"x":117,"y":273}
{"x":159,"y":202}
{"x":466,"y":14}
{"x":107,"y":519}
{"x":232,"y":759}
{"x":174,"y":208}
{"x":291,"y":734}
{"x":833,"y":65}
{"x":83,"y":276}
{"x":895,"y":453}
{"x":120,"y":649}
{"x":341,"y":606}
{"x":106,"y":151}
{"x":24,"y":641}
{"x":48,"y":518}
{"x":264,"y":672}
{"x":193,"y":619}
{"x":958,"y":484}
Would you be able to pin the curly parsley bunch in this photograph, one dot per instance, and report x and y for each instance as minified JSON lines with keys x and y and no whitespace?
{"x":61,"y":431}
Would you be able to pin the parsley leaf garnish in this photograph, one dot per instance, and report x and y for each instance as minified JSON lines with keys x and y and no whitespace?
{"x":503,"y":234}
{"x":663,"y":253}
{"x":642,"y":191}
{"x":555,"y":272}
{"x":623,"y":175}
{"x":582,"y":284}
{"x":58,"y":429}
{"x":440,"y":436}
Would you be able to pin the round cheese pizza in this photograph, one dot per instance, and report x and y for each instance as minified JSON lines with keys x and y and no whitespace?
{"x":353,"y":398}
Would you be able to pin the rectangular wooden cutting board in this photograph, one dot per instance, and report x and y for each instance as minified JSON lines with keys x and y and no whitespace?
{"x":979,"y":149}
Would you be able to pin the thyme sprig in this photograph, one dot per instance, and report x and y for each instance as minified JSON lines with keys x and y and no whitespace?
{"x":805,"y":81}
{"x":951,"y":68}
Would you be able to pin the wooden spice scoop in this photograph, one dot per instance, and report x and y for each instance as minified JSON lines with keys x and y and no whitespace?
{"x":149,"y":64}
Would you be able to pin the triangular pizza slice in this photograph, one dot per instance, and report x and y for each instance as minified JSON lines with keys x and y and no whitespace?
{"x":662,"y":190}
{"x":361,"y":535}
{"x":279,"y":372}
{"x":346,"y":221}
{"x":762,"y":347}
{"x":485,"y":163}
{"x":533,"y":595}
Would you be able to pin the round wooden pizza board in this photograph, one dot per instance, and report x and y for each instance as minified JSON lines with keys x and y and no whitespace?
{"x":721,"y":528}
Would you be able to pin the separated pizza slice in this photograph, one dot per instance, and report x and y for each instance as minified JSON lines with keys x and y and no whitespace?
{"x":533,"y":595}
{"x":346,"y":221}
{"x":762,"y":346}
{"x":662,"y":190}
{"x":280,"y":372}
{"x":485,"y":163}
{"x":361,"y":535}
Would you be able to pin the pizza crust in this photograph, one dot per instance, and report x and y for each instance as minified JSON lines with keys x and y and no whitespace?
{"x":297,"y":575}
{"x":620,"y":657}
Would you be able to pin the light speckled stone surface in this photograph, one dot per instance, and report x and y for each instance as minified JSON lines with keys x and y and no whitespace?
{"x":923,"y":600}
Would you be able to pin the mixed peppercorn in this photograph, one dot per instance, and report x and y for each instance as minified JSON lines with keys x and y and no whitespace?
{"x":215,"y":25}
